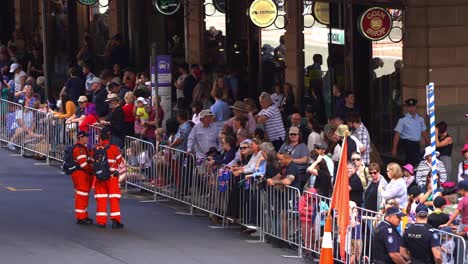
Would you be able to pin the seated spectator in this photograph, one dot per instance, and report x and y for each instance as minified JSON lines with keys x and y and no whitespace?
{"x":425,"y":167}
{"x":463,"y":166}
{"x":429,"y":194}
{"x":26,"y":96}
{"x":24,"y":126}
{"x":355,"y":185}
{"x":373,"y":199}
{"x":298,"y":150}
{"x":438,"y":217}
{"x":396,"y":189}
{"x":139,"y":162}
{"x":408,"y":175}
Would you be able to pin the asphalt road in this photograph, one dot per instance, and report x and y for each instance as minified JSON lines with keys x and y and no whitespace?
{"x":37,"y":226}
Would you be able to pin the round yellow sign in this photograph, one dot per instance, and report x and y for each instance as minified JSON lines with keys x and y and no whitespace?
{"x":263,"y":13}
{"x":322,"y":12}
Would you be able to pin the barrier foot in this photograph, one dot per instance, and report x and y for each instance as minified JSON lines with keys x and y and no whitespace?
{"x":224,"y":227}
{"x":288,"y":256}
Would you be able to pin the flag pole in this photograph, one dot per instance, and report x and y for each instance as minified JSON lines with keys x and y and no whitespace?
{"x":431,"y":111}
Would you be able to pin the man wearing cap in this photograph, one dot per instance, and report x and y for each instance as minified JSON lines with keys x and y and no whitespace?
{"x":108,"y":189}
{"x":425,"y":167}
{"x":270,"y":117}
{"x":19,"y":76}
{"x":242,"y":109}
{"x":116,"y":121}
{"x":203,"y":135}
{"x":387,"y":240}
{"x":82,"y":178}
{"x":409,"y":131}
{"x":420,"y":243}
{"x":99,"y":97}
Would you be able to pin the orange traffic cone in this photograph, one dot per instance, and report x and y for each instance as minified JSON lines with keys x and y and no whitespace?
{"x":326,"y":253}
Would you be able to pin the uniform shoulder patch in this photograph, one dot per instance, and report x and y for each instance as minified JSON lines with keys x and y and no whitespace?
{"x":390,"y":239}
{"x":390,"y":230}
{"x":435,"y":236}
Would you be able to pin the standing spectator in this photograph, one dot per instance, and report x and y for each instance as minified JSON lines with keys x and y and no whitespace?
{"x":289,"y":175}
{"x":35,"y":63}
{"x":320,"y":150}
{"x":387,"y":240}
{"x":40,"y":92}
{"x":372,"y":196}
{"x":129,"y":79}
{"x":232,"y":82}
{"x":425,"y":167}
{"x":116,"y":51}
{"x":323,"y":179}
{"x":348,"y":107}
{"x":420,"y":243}
{"x":143,"y":88}
{"x":362,"y":134}
{"x":444,"y":145}
{"x":299,"y":122}
{"x":197,"y":107}
{"x":396,"y":189}
{"x":189,"y":84}
{"x":287,"y":107}
{"x":116,"y":88}
{"x":116,"y":121}
{"x":354,"y":145}
{"x":338,"y":97}
{"x":462,"y":210}
{"x":408,"y":176}
{"x":201,"y":92}
{"x":117,"y":71}
{"x":463,"y":166}
{"x":361,"y":170}
{"x":410,"y":129}
{"x":19,"y":76}
{"x":89,"y":76}
{"x":298,"y":151}
{"x":203,"y":136}
{"x":75,"y":85}
{"x":438,"y":217}
{"x":447,"y":246}
{"x":26,"y":96}
{"x":278,"y":95}
{"x":270,"y":117}
{"x":180,"y":83}
{"x":316,"y":136}
{"x":228,"y":152}
{"x":129,"y":117}
{"x":99,"y":97}
{"x":220,"y":108}
{"x":241,"y":109}
{"x":355,"y":186}
{"x":181,"y":138}
{"x":151,"y":124}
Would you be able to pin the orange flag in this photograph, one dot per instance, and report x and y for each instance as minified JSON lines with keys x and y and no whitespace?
{"x":340,"y":198}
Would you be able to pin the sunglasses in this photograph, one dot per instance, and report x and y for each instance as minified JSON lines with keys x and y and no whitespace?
{"x":243,"y":148}
{"x":374,"y":172}
{"x":356,"y":159}
{"x":293,"y":134}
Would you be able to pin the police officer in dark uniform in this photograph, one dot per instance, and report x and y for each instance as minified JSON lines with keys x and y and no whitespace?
{"x":409,"y":131}
{"x":421,"y":243}
{"x":386,"y":240}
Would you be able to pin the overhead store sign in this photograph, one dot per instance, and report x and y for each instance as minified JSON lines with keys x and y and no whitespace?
{"x":375,"y":23}
{"x":167,"y":7}
{"x":337,"y":37}
{"x":88,"y":2}
{"x":263,"y":13}
{"x":220,"y":5}
{"x":321,"y":12}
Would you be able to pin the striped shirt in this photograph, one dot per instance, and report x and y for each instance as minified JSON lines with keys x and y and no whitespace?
{"x":425,"y":168}
{"x":274,"y":126}
{"x":362,"y":134}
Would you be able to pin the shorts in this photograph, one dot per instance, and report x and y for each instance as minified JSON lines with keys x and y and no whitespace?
{"x":462,"y":228}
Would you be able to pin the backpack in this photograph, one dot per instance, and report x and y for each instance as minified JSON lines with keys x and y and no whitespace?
{"x":101,"y":162}
{"x":69,"y":165}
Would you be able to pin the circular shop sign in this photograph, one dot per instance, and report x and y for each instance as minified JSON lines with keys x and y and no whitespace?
{"x":88,"y":2}
{"x":375,"y":23}
{"x":321,"y":12}
{"x":220,"y":5}
{"x":263,"y":13}
{"x":167,"y":7}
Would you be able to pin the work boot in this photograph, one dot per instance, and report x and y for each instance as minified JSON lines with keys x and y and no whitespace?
{"x":85,"y":221}
{"x":116,"y":224}
{"x":101,"y":225}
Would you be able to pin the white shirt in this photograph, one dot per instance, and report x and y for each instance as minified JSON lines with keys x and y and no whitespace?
{"x":17,"y":79}
{"x":314,"y":139}
{"x":337,"y":150}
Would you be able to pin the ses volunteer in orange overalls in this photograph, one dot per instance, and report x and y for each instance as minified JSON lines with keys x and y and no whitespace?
{"x":108,"y":188}
{"x":82,"y":179}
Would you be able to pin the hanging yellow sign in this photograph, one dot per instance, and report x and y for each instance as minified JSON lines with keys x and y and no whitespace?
{"x":322,"y":13}
{"x":263,"y":13}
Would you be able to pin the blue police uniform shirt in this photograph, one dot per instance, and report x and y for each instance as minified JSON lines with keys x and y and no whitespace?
{"x":419,"y":239}
{"x":386,"y":240}
{"x":410,"y":127}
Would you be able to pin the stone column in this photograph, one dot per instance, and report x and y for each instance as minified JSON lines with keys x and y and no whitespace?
{"x":194,"y":33}
{"x":294,"y":39}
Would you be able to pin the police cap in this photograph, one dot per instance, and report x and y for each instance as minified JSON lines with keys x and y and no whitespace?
{"x":82,"y":134}
{"x":411,"y":102}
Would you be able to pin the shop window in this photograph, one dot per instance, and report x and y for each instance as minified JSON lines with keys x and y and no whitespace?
{"x":215,"y":34}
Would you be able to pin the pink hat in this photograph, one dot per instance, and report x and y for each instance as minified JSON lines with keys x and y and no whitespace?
{"x":464,"y":149}
{"x":409,"y":168}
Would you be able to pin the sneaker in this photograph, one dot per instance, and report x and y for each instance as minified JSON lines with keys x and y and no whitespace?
{"x":85,"y":221}
{"x":116,"y":224}
{"x":11,"y":146}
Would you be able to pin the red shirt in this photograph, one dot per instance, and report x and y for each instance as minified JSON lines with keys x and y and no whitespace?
{"x":129,"y":117}
{"x":152,"y":117}
{"x":89,"y":120}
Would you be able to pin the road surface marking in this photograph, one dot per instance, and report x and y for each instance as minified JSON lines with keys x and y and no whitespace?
{"x":22,"y":190}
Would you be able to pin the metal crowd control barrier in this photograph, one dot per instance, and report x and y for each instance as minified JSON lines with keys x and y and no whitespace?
{"x":94,"y":134}
{"x":454,"y":248}
{"x":250,"y":204}
{"x":36,"y":140}
{"x":174,"y":175}
{"x":211,"y":189}
{"x":59,"y":138}
{"x":139,"y":167}
{"x":11,"y":124}
{"x":281,"y":215}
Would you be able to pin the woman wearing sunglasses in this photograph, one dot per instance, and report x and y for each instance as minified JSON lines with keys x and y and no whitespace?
{"x":299,"y":151}
{"x":361,"y":170}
